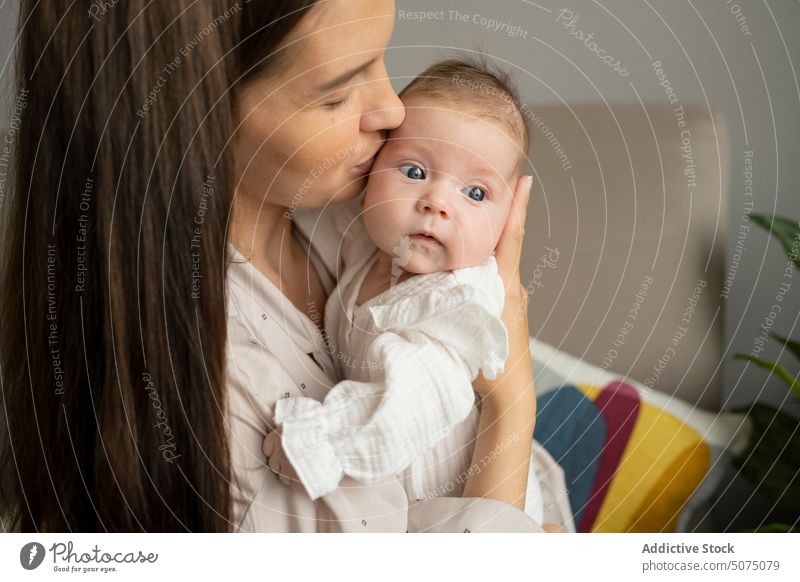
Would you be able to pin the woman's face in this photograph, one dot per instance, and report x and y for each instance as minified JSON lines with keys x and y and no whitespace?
{"x":309,"y":131}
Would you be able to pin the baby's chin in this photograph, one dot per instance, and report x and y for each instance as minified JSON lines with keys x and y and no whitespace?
{"x":417,"y":264}
{"x":417,"y":259}
{"x":422,"y":265}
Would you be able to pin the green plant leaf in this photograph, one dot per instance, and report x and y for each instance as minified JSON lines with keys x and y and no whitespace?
{"x":771,"y":461}
{"x":771,"y":528}
{"x":785,"y":230}
{"x":776,"y":369}
{"x":791,"y":345}
{"x":775,"y":528}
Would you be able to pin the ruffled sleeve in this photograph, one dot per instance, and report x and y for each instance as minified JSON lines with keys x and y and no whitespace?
{"x":464,"y":313}
{"x":372,"y":430}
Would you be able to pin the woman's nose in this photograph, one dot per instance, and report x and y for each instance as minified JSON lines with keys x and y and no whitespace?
{"x":385,"y":111}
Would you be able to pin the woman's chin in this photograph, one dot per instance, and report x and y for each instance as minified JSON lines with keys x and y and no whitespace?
{"x":348,"y":191}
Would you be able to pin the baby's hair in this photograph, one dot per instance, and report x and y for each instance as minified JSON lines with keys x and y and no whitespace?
{"x":479,"y":89}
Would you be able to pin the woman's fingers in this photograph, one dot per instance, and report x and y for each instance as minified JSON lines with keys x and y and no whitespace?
{"x":509,"y":247}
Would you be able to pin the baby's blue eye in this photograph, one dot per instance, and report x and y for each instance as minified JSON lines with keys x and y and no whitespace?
{"x":476,"y":193}
{"x":413,"y":172}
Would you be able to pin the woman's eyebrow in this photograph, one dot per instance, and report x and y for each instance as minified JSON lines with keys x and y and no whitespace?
{"x":344,"y":77}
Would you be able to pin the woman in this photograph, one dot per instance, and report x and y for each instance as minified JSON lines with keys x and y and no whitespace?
{"x":159,"y":142}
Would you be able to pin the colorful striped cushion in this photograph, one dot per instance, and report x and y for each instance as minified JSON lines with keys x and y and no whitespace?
{"x":648,"y":467}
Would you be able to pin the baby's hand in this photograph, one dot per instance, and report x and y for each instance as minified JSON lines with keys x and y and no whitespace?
{"x":278,"y":462}
{"x":553,"y":528}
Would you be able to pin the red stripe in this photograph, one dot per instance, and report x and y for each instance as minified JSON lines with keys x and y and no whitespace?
{"x":619,"y":405}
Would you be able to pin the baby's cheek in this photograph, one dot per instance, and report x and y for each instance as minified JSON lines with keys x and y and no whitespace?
{"x":478,"y":249}
{"x":498,"y":224}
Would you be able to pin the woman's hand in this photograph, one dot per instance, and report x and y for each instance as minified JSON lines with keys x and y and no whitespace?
{"x":515,"y":308}
{"x":508,"y":404}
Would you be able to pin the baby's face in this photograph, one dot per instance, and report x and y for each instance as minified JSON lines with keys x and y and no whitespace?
{"x":441,"y":188}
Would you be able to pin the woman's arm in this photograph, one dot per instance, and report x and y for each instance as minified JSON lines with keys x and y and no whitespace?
{"x":508,"y":404}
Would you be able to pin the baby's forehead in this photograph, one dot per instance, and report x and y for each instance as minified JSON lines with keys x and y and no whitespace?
{"x":438,"y":128}
{"x":446,"y":111}
{"x":421,"y":110}
{"x":436,"y":123}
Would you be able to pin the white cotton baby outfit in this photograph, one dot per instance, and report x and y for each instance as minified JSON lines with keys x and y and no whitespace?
{"x":409,"y":356}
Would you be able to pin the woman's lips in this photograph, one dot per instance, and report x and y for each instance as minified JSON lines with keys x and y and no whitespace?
{"x":365,"y":167}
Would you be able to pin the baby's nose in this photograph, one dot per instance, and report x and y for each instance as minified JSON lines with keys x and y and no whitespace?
{"x":435,"y":201}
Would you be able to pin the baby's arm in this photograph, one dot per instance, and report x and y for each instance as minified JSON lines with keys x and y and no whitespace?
{"x":371,"y":430}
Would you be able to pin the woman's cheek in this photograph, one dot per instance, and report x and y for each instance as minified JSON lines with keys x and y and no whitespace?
{"x":341,"y":141}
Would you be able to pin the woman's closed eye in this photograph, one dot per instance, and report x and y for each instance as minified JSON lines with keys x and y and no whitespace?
{"x":340,"y":102}
{"x":412,"y":171}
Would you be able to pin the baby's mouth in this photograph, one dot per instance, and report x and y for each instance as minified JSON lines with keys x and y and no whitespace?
{"x":426,"y":238}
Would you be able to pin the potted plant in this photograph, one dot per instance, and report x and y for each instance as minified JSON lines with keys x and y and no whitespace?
{"x":771,"y":461}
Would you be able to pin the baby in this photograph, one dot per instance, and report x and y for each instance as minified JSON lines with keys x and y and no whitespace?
{"x":417,"y":311}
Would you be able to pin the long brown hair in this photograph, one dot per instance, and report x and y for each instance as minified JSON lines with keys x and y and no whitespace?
{"x":112,"y":345}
